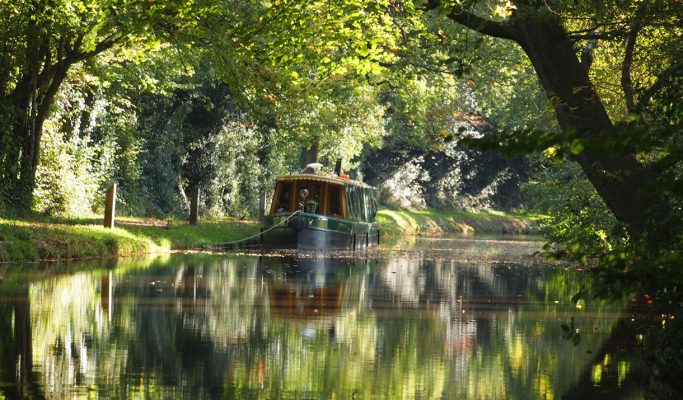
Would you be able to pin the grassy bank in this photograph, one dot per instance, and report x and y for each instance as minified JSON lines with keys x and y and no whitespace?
{"x":63,"y":239}
{"x":436,"y":222}
{"x":36,"y":239}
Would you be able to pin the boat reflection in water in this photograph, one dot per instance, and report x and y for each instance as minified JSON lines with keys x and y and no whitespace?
{"x":307,"y":289}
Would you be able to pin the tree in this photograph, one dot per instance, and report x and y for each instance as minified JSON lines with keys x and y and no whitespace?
{"x":39,"y":44}
{"x":305,"y":69}
{"x":548,"y":32}
{"x":612,"y":73}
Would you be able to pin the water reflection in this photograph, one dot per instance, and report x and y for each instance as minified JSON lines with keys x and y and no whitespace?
{"x":426,"y":323}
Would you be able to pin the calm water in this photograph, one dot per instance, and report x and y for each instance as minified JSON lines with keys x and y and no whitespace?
{"x":443,"y":319}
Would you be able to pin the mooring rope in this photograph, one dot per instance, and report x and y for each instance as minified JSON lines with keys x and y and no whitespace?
{"x":221,"y":245}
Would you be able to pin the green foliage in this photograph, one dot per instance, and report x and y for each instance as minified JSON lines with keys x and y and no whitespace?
{"x":582,"y":230}
{"x":576,"y":219}
{"x":240,"y":174}
{"x":422,"y":112}
{"x":74,"y":158}
{"x":343,"y":118}
{"x":284,"y":38}
{"x":66,"y":183}
{"x":42,"y":43}
{"x":653,"y":27}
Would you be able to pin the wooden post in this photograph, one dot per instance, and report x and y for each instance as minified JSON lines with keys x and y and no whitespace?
{"x":261,"y":205}
{"x":194,"y":205}
{"x":110,"y":207}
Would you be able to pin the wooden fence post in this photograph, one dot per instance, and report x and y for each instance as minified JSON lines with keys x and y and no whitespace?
{"x":110,"y":207}
{"x":194,"y":206}
{"x":261,"y":205}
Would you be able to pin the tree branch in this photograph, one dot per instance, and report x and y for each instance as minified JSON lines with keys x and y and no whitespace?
{"x":483,"y":25}
{"x":475,"y":22}
{"x":615,"y":28}
{"x":663,"y":79}
{"x":626,"y":81}
{"x":593,"y":35}
{"x":430,"y":5}
{"x":587,"y":54}
{"x":105,"y":44}
{"x":47,"y":97}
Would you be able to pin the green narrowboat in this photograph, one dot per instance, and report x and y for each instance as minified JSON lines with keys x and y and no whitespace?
{"x":317,"y":211}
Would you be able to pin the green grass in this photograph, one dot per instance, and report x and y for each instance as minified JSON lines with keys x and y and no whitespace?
{"x":432,"y":221}
{"x":36,"y":239}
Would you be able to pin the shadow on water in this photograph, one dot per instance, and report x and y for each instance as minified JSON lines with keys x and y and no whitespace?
{"x":442,"y":319}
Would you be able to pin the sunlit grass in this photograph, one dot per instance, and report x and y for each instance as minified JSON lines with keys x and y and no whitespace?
{"x":432,"y":221}
{"x":34,"y":239}
{"x":37,"y":238}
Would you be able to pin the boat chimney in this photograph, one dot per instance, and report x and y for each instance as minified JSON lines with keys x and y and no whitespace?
{"x":337,"y":167}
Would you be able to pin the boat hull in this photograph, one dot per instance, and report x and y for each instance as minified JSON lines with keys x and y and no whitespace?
{"x":315,"y":232}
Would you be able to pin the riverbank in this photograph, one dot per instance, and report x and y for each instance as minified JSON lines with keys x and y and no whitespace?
{"x":439,"y":222}
{"x":59,"y":239}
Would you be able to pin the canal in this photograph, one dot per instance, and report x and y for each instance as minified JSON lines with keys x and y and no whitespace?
{"x":443,"y":318}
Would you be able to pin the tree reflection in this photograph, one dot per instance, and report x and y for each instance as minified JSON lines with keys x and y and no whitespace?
{"x":273,"y":327}
{"x":17,"y":376}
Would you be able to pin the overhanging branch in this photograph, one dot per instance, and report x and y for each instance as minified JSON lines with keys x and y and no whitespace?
{"x":475,"y":22}
{"x":663,"y":78}
{"x":483,"y":25}
{"x":626,"y":81}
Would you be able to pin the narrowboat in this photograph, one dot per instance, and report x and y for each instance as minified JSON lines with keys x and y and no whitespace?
{"x":312,"y":210}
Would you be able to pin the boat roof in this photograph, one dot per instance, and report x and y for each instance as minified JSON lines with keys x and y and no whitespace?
{"x":329,"y":178}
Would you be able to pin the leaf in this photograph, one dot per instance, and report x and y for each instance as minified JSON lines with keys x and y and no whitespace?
{"x":576,"y":339}
{"x":633,"y":118}
{"x":550,"y":151}
{"x":576,"y":147}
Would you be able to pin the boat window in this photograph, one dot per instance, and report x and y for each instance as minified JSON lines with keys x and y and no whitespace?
{"x":334,"y":201}
{"x":350,"y":212}
{"x":358,"y":203}
{"x":311,"y":203}
{"x":284,"y":198}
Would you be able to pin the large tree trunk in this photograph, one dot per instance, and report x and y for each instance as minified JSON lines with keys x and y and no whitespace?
{"x":620,"y":179}
{"x":42,"y":66}
{"x":37,"y":113}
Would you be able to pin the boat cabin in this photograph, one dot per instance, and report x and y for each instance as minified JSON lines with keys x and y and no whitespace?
{"x":324,"y":195}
